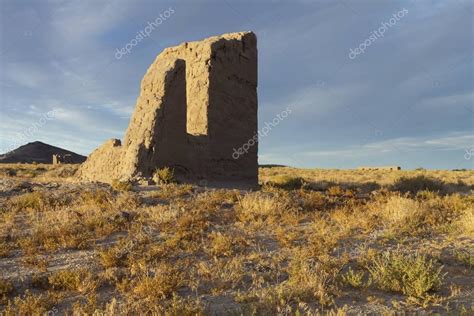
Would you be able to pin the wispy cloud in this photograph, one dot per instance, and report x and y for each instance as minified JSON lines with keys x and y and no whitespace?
{"x":414,"y":85}
{"x":448,"y":102}
{"x":457,"y":141}
{"x":26,"y":75}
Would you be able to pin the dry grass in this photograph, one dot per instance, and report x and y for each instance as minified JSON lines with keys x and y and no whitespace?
{"x":308,"y":242}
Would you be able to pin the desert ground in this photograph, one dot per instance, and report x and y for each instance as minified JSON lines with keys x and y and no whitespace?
{"x":308,"y":241}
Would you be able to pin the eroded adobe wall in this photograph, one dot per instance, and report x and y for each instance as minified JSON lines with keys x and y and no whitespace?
{"x":156,"y":135}
{"x":198,"y":101}
{"x":233,"y":105}
{"x":103,"y":164}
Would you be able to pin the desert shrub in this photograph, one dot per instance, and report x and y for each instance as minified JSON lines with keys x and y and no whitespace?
{"x":112,"y":257}
{"x":464,"y":225}
{"x":9,"y":172}
{"x":311,"y":200}
{"x":127,"y":200}
{"x":118,"y":185}
{"x":33,"y":201}
{"x":418,"y":183}
{"x":164,"y":176}
{"x":67,"y":280}
{"x":6,"y":289}
{"x":115,"y":256}
{"x":221,"y":244}
{"x":165,"y":281}
{"x":80,"y":280}
{"x":428,"y":213}
{"x":286,"y":182}
{"x":30,"y":304}
{"x":367,"y":187}
{"x":464,"y":257}
{"x":259,"y":206}
{"x":401,"y":213}
{"x":354,"y":278}
{"x":177,"y":305}
{"x":222,"y":274}
{"x":309,"y":279}
{"x":173,"y":191}
{"x":62,"y":171}
{"x":37,"y":201}
{"x":102,"y":199}
{"x":188,"y":228}
{"x":335,"y":190}
{"x":411,"y":274}
{"x":442,"y":211}
{"x":4,"y":249}
{"x":225,"y":244}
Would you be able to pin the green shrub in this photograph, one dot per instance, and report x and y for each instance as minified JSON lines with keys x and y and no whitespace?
{"x":354,"y":279}
{"x":465,"y":258}
{"x":410,"y":274}
{"x":164,"y":176}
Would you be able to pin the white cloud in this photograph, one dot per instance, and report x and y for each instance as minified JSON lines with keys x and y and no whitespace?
{"x":457,"y":141}
{"x":319,"y":99}
{"x":448,"y":101}
{"x":83,"y":22}
{"x":26,"y":74}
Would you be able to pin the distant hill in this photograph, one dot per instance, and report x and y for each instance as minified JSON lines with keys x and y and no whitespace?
{"x":38,"y":152}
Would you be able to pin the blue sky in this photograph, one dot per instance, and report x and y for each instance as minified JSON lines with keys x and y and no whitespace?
{"x":406,"y":100}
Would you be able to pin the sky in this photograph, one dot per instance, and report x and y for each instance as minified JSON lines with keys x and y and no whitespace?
{"x":368,"y":82}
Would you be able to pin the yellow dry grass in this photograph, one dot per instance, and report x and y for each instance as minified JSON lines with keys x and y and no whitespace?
{"x":307,"y":242}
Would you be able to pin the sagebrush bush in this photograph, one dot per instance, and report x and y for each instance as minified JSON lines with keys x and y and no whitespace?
{"x":418,"y":183}
{"x":165,"y":281}
{"x":164,"y":176}
{"x":287,"y":182}
{"x":259,"y":207}
{"x":30,"y":304}
{"x":309,"y":279}
{"x":101,"y":199}
{"x":6,"y":289}
{"x":354,"y":278}
{"x":464,"y":225}
{"x":401,"y":213}
{"x":65,"y":280}
{"x":121,"y":185}
{"x":34,"y":201}
{"x":220,"y":244}
{"x":410,"y":274}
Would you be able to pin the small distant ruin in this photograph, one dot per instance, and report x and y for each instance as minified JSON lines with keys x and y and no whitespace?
{"x":198,"y":102}
{"x":62,"y":159}
{"x":386,"y":168}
